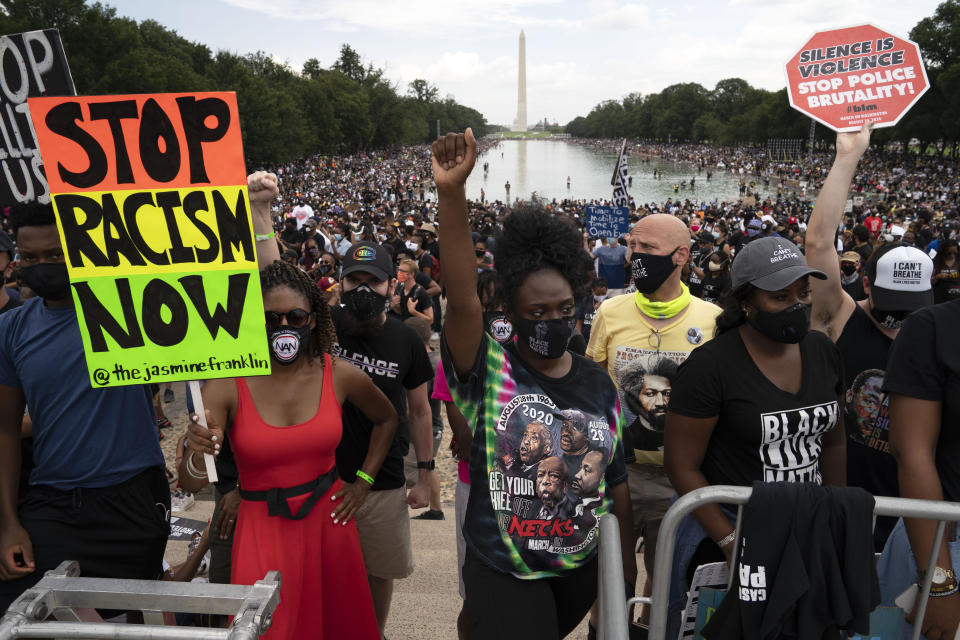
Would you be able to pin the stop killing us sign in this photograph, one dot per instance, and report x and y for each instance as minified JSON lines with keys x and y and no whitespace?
{"x":847,"y":77}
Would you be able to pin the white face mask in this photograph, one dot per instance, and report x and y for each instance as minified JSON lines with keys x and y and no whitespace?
{"x":413,"y":246}
{"x":713,"y":266}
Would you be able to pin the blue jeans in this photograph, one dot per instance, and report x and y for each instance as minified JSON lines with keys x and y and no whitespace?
{"x":897,"y":569}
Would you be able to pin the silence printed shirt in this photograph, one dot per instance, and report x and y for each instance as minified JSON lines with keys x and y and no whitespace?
{"x":545,"y":452}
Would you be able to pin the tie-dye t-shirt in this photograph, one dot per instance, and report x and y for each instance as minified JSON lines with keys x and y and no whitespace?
{"x":545,"y":453}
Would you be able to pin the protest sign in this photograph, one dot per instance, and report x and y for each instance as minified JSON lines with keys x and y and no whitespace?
{"x":847,"y":77}
{"x":31,"y":64}
{"x":607,"y":222}
{"x":150,"y":193}
{"x":183,"y":529}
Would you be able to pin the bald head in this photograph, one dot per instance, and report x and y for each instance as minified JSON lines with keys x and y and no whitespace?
{"x":659,"y":233}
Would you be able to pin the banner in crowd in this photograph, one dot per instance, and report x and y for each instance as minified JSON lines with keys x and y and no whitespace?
{"x":607,"y":222}
{"x":846,"y":77}
{"x":619,"y":180}
{"x":150,"y":194}
{"x":31,"y":64}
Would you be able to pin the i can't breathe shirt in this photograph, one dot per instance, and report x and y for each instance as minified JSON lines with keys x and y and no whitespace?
{"x":545,"y":453}
{"x":763,"y":433}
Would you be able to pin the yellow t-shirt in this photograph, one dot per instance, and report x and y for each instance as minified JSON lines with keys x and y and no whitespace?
{"x":646,"y":360}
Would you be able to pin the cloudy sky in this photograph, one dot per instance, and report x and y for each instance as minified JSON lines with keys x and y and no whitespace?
{"x":579,"y":52}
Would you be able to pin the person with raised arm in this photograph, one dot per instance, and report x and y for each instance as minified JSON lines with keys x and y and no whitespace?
{"x":863,"y":331}
{"x":521,"y":556}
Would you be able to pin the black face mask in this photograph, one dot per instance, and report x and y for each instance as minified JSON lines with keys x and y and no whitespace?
{"x":363,"y":302}
{"x":480,"y":252}
{"x":848,"y":269}
{"x":649,"y":271}
{"x":287,"y":343}
{"x":889,"y":319}
{"x":49,"y":280}
{"x":788,"y":325}
{"x":546,"y":338}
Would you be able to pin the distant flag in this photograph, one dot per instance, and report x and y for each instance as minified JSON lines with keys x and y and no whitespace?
{"x":619,"y":179}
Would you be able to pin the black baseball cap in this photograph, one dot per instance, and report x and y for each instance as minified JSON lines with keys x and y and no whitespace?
{"x":771,"y":264}
{"x":369,"y":258}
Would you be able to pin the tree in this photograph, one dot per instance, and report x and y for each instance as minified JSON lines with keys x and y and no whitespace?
{"x":350,"y":64}
{"x":422,"y":90}
{"x":284,"y":114}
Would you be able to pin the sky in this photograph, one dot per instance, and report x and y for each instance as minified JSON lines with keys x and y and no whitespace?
{"x":579,"y":53}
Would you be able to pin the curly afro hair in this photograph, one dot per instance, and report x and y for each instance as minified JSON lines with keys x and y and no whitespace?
{"x":533,"y":239}
{"x":31,"y":214}
{"x":284,"y":274}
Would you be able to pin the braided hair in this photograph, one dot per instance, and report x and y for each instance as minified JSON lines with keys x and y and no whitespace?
{"x":284,"y":274}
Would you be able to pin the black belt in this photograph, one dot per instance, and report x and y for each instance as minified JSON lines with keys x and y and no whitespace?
{"x":276,"y":499}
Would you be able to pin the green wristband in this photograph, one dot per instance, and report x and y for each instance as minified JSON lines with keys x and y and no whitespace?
{"x":263,"y":236}
{"x":365,"y":477}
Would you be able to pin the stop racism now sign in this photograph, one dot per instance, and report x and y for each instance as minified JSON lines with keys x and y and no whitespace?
{"x":846,"y":77}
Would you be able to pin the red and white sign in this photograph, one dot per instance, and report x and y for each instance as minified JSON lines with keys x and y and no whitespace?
{"x":846,"y":77}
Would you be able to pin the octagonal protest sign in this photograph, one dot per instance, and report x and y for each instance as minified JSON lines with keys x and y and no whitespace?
{"x":846,"y":77}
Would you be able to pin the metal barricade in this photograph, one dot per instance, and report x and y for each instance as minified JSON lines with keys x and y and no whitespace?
{"x":611,"y":599}
{"x":73,"y":600}
{"x":612,"y":588}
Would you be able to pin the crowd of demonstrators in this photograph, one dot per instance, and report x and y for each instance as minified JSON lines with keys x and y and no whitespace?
{"x":579,"y":375}
{"x":907,"y":177}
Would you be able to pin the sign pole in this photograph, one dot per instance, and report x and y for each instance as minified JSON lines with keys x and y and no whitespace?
{"x":813,"y":132}
{"x":194,"y":386}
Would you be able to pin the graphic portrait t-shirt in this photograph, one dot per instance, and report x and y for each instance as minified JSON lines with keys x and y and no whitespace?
{"x":763,"y":433}
{"x":643,"y":363}
{"x":545,"y":453}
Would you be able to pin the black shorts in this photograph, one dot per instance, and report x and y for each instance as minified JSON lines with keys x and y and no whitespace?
{"x":113,"y":532}
{"x":499,"y":605}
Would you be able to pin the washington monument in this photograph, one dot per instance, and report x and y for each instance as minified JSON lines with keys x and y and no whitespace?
{"x":520,"y":124}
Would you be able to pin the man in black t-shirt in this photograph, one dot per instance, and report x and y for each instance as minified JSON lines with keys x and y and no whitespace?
{"x":392,"y":354}
{"x":699,"y":255}
{"x":896,"y":281}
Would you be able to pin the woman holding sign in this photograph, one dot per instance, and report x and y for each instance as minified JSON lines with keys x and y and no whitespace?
{"x":296,"y":514}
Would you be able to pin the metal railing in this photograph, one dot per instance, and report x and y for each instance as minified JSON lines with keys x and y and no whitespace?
{"x":611,"y":582}
{"x":611,"y":599}
{"x":72,"y":601}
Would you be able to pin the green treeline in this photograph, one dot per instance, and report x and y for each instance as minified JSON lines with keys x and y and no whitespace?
{"x":734,"y":112}
{"x":284,"y":113}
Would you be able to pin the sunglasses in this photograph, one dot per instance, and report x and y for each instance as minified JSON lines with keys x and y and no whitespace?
{"x":295,"y":318}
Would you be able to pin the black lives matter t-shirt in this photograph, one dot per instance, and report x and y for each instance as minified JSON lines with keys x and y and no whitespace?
{"x":924,"y":363}
{"x":763,"y":433}
{"x":396,"y":360}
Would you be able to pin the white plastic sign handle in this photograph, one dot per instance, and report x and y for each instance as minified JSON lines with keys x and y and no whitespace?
{"x":202,"y":419}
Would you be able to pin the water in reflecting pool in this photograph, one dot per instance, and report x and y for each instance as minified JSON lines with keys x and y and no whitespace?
{"x":544,"y":165}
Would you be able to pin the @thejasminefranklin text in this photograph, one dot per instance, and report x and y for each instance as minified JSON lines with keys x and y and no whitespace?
{"x":148,"y":372}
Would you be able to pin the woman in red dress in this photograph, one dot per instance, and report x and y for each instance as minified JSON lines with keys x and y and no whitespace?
{"x":284,"y":429}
